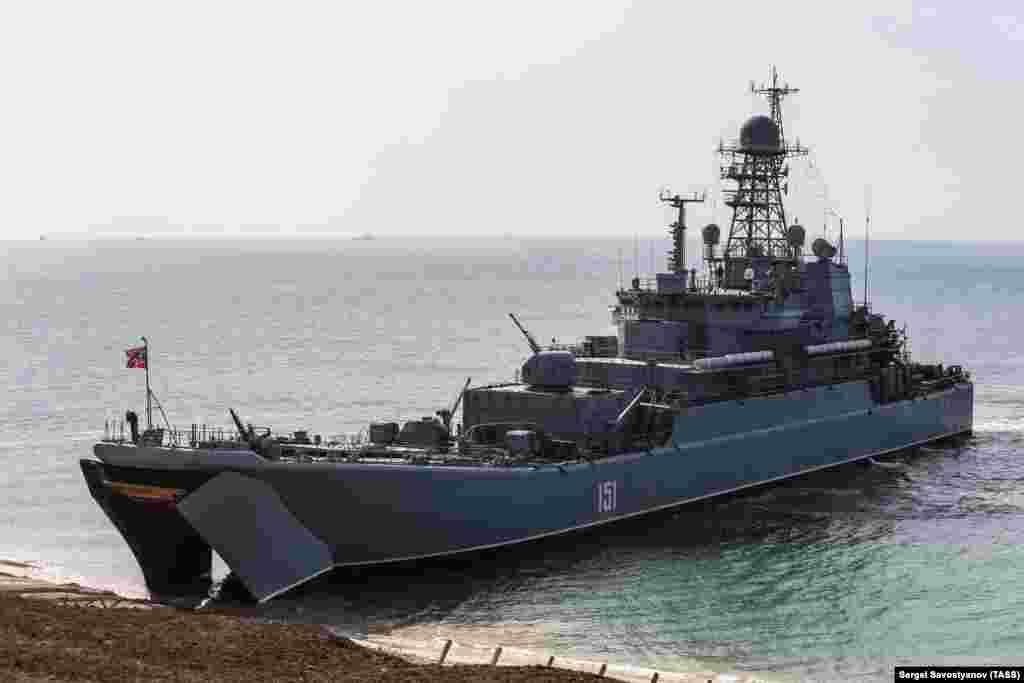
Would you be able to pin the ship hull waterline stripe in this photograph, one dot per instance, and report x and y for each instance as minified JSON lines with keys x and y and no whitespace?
{"x":144,"y":491}
{"x":549,"y":534}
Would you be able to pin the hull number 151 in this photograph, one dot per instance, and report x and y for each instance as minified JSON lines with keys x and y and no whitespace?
{"x":606,"y":496}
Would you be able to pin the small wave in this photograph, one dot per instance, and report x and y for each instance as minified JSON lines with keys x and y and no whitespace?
{"x":887,"y":464}
{"x":1003,"y":425}
{"x":511,"y":633}
{"x":823,"y":491}
{"x":57,"y":574}
{"x":1006,"y":501}
{"x":20,"y":566}
{"x":35,"y":443}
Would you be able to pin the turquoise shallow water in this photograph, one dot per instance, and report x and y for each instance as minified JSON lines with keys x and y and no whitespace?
{"x":838,"y":576}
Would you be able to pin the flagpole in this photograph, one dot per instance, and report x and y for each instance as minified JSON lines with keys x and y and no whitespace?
{"x":149,"y":400}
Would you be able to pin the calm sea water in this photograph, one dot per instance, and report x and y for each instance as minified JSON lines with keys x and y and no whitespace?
{"x":838,"y":576}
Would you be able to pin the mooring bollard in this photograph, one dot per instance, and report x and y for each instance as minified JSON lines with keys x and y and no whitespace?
{"x":444,"y":651}
{"x":551,"y":661}
{"x":604,"y":667}
{"x":497,"y":653}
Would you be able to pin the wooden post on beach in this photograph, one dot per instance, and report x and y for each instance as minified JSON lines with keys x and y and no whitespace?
{"x":497,"y":653}
{"x":604,"y":667}
{"x":551,"y":661}
{"x":654,"y":678}
{"x":444,"y":651}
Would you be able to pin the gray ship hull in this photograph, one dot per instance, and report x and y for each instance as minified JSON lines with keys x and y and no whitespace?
{"x":279,"y":524}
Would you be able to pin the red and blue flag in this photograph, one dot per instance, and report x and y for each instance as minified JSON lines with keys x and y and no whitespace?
{"x":136,"y":357}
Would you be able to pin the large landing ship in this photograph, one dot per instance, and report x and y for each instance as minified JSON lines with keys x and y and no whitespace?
{"x":757,"y":369}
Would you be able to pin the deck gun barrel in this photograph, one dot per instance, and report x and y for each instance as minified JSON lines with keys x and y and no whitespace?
{"x":238,"y":424}
{"x":259,"y":445}
{"x":619,"y":422}
{"x":534,"y":346}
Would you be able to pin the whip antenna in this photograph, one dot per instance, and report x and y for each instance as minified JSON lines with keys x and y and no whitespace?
{"x":867,"y":239}
{"x":620,"y":268}
{"x":636,"y":256}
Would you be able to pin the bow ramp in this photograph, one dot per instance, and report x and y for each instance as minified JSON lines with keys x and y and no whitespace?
{"x":249,"y":526}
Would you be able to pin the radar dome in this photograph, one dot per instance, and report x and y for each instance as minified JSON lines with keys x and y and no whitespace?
{"x":760,"y":135}
{"x":822,"y":249}
{"x":711,"y":233}
{"x":796,"y":235}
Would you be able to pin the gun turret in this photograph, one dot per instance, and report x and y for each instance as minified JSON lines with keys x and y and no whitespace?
{"x":446,"y":414}
{"x":265,"y":445}
{"x":534,"y":346}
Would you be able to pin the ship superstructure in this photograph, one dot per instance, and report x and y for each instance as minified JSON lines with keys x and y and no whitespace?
{"x":758,"y":369}
{"x":762,"y":317}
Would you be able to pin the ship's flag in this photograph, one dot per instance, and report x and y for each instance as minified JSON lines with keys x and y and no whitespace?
{"x":136,"y":357}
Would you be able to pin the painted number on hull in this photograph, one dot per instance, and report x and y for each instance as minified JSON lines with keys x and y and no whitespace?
{"x":606,"y":496}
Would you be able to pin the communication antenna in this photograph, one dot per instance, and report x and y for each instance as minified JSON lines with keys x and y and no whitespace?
{"x":867,"y":238}
{"x":620,"y":268}
{"x":842,"y":233}
{"x":636,"y":255}
{"x":842,"y":245}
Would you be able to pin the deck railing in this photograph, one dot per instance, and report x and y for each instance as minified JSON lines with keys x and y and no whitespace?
{"x":119,"y":431}
{"x":205,"y":436}
{"x":702,"y":284}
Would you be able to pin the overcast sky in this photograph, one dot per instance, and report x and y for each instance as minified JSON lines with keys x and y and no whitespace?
{"x":494,"y":118}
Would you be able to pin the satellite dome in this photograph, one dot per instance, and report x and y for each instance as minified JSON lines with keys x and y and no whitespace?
{"x":796,"y":235}
{"x":760,"y":135}
{"x":822,"y":249}
{"x":711,"y":233}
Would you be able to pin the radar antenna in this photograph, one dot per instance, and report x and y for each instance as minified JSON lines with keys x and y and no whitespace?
{"x":677,"y":257}
{"x":774,"y":94}
{"x":756,"y":163}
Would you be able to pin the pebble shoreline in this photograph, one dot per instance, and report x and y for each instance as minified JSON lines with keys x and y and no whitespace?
{"x":71,"y":617}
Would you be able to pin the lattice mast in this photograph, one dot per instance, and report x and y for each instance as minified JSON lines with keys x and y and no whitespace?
{"x":677,"y":257}
{"x":757,"y":164}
